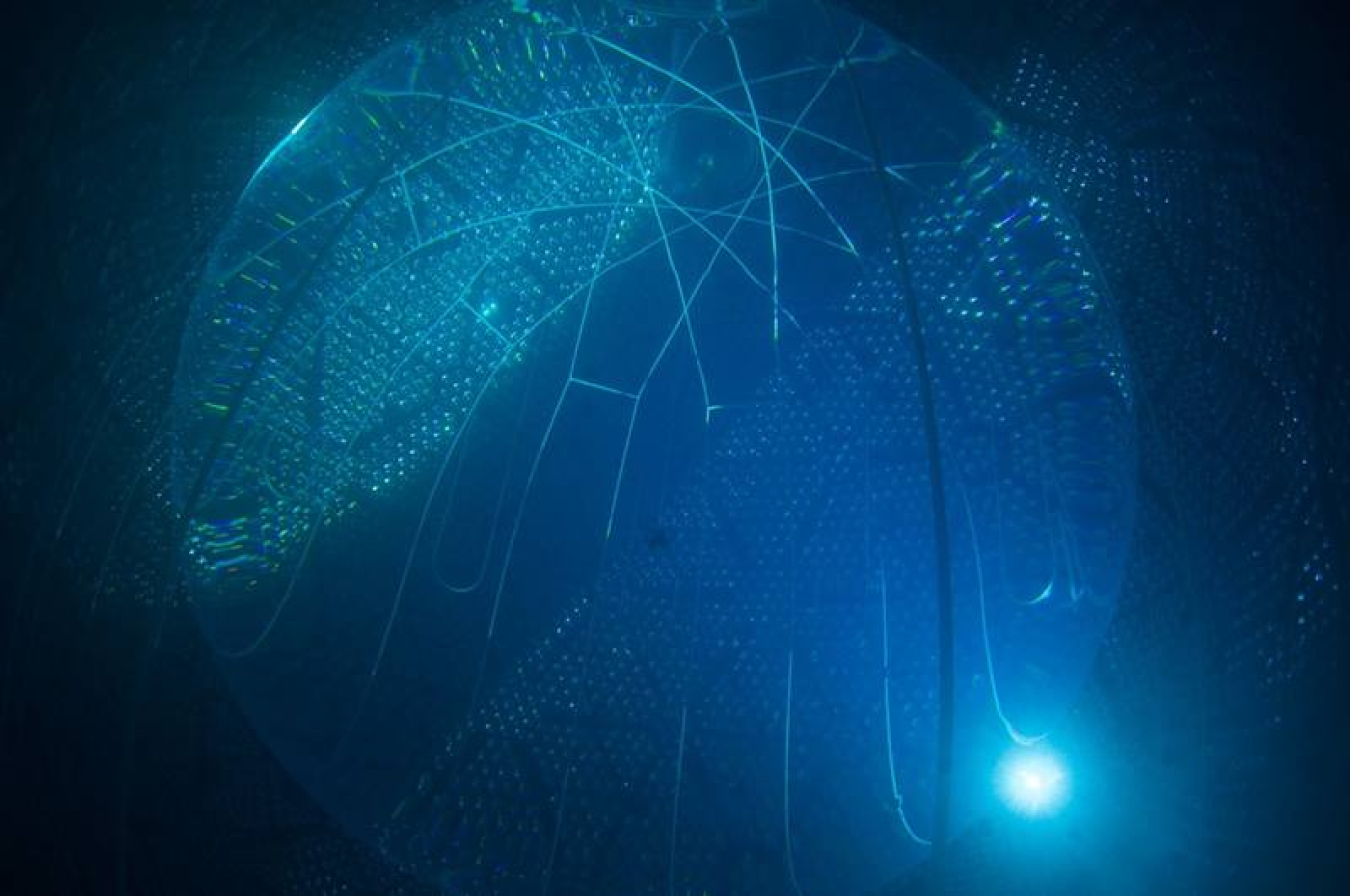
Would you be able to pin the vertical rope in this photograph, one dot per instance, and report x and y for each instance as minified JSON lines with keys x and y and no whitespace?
{"x":937,"y":490}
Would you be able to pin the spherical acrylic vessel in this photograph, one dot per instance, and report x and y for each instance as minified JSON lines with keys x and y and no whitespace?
{"x":552,"y":434}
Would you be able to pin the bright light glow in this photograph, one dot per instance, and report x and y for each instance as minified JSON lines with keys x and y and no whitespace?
{"x":1033,"y":781}
{"x":298,"y":125}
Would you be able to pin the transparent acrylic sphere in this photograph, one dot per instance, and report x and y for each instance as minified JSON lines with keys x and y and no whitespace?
{"x":550,"y":430}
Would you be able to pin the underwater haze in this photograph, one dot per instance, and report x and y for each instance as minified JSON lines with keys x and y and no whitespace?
{"x":684,"y":447}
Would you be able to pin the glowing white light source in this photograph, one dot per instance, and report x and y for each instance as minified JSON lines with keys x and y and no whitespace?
{"x":1033,"y":781}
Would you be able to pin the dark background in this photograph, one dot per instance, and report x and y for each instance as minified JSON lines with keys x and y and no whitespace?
{"x":130,"y":128}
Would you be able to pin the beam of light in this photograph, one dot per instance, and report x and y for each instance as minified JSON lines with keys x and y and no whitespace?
{"x":1033,"y":781}
{"x":281,"y":144}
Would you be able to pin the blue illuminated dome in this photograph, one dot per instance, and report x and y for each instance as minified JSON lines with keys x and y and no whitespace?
{"x":559,"y":460}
